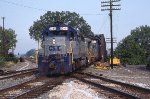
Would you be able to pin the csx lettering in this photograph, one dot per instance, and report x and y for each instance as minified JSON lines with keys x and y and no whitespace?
{"x":54,"y":48}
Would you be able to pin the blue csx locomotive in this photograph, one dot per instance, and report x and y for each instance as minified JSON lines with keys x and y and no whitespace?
{"x":64,"y":51}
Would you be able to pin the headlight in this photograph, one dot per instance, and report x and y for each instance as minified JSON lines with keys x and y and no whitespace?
{"x":52,"y":66}
{"x":54,"y":41}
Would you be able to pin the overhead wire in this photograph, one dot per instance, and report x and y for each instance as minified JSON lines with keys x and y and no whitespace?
{"x":103,"y":24}
{"x":39,"y":9}
{"x":21,"y":5}
{"x":116,"y":21}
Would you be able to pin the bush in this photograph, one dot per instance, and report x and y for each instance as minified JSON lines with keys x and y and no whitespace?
{"x":15,"y":60}
{"x":10,"y":57}
{"x":2,"y":60}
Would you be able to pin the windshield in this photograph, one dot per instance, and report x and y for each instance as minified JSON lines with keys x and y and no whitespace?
{"x":59,"y":33}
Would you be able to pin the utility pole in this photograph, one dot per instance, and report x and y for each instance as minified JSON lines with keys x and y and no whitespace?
{"x":3,"y":38}
{"x":109,"y":7}
{"x":3,"y":18}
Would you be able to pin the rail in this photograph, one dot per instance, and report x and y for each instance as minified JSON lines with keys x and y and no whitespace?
{"x":32,"y":88}
{"x":120,"y":88}
{"x":17,"y":73}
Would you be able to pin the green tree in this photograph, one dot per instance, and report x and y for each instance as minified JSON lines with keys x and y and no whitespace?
{"x":71,"y":18}
{"x":9,"y":40}
{"x":134,"y":49}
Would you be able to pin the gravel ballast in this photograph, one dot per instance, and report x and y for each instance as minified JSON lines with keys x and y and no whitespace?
{"x":11,"y":82}
{"x":74,"y":89}
{"x":132,"y":74}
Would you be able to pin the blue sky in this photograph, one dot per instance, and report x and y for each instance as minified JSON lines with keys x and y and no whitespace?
{"x":20,"y":15}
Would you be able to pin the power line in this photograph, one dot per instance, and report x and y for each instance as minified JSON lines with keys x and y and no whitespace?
{"x":104,"y":22}
{"x":21,"y":5}
{"x":40,"y":9}
{"x":90,"y":14}
{"x":117,"y":20}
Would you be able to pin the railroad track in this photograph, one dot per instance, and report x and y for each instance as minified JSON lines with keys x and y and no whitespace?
{"x":32,"y":88}
{"x":17,"y":73}
{"x":119,"y":88}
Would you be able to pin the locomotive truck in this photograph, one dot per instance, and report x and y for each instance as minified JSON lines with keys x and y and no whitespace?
{"x":63,"y":50}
